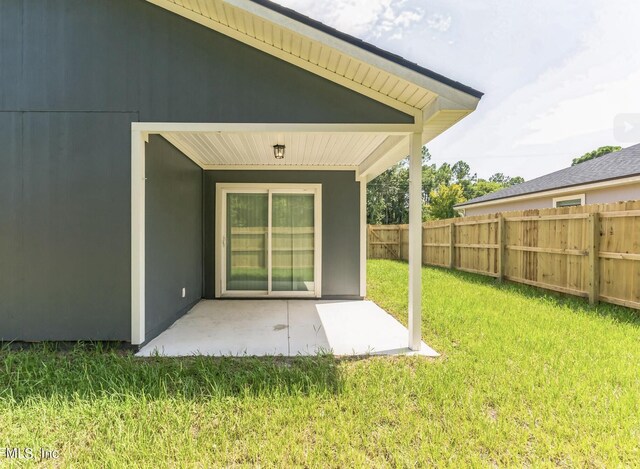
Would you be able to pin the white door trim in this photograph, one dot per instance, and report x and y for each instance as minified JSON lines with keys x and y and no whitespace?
{"x":220,"y":229}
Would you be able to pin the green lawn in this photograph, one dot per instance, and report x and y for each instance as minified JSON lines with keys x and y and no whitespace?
{"x":526,"y":378}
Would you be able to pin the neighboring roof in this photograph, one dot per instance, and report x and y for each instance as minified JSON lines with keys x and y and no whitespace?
{"x":294,"y":15}
{"x":616,"y":165}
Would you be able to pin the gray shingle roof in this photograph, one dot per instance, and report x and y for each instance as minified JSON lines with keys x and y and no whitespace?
{"x":620,"y":164}
{"x":294,"y":15}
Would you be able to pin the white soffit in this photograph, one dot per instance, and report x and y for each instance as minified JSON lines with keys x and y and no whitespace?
{"x":254,"y":149}
{"x":435,"y":105}
{"x":320,"y":53}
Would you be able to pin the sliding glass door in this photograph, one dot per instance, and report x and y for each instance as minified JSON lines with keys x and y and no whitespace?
{"x":270,"y":240}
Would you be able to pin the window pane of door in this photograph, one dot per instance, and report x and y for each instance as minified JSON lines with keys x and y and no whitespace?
{"x":293,"y":241}
{"x":247,"y":222}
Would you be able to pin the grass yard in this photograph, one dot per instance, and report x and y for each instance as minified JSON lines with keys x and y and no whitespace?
{"x":526,"y":378}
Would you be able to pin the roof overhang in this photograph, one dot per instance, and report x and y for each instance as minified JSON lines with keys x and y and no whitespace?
{"x":435,"y":102}
{"x":575,"y":189}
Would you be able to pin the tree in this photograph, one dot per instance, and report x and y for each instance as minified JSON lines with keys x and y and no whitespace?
{"x":462,"y":171}
{"x":515,"y":180}
{"x":500,"y":178}
{"x":483,"y":187}
{"x":388,"y":194}
{"x":442,"y":200}
{"x":595,"y":154}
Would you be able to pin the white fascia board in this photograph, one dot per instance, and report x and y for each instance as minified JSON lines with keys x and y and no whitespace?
{"x":551,"y":193}
{"x":443,"y":104}
{"x":216,"y":127}
{"x":357,"y":53}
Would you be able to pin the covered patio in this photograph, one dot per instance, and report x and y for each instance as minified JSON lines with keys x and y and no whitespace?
{"x":284,"y":328}
{"x":235,"y":220}
{"x":327,"y":252}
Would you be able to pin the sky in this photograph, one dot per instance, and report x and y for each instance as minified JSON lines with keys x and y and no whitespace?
{"x":556,"y":74}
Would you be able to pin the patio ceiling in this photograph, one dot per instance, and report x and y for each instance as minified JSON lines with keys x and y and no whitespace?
{"x":345,"y":150}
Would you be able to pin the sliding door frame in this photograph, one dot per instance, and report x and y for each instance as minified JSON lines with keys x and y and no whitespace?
{"x":222,"y":189}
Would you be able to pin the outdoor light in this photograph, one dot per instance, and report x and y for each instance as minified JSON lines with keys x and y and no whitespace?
{"x":278,"y":152}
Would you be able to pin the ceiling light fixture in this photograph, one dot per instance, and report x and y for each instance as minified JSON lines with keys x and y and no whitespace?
{"x":278,"y":152}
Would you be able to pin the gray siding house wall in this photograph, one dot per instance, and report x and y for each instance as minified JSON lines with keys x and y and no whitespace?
{"x":174,"y":219}
{"x":74,"y":74}
{"x":340,"y":224}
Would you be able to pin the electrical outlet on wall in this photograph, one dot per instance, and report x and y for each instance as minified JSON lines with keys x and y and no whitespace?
{"x":184,"y":293}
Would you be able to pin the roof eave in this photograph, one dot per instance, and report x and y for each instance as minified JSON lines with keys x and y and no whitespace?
{"x":308,"y":21}
{"x":622,"y":180}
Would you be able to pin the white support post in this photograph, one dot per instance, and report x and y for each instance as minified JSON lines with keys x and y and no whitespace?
{"x":415,"y":241}
{"x":363,"y":237}
{"x":137,"y":237}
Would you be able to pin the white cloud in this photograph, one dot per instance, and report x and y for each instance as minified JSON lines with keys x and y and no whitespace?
{"x":561,"y":113}
{"x":439,"y":22}
{"x":585,"y":114}
{"x":361,"y":18}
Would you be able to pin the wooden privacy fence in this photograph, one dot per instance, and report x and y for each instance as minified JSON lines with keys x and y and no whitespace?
{"x":591,"y":251}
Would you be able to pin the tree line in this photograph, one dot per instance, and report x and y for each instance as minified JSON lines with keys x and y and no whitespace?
{"x":442,"y":187}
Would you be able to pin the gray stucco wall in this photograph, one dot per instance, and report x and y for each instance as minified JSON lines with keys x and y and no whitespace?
{"x":340,"y":224}
{"x":173,"y":235}
{"x":605,"y":195}
{"x":73,"y":75}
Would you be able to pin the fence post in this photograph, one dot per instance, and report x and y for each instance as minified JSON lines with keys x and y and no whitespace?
{"x":594,"y":258}
{"x":399,"y":242}
{"x":502,"y":242}
{"x":452,"y":245}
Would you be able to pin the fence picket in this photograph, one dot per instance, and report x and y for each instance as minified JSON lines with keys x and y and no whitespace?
{"x":581,"y":251}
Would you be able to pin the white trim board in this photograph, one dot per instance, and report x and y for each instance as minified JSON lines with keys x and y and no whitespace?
{"x":212,"y":127}
{"x":138,"y":220}
{"x":363,"y":238}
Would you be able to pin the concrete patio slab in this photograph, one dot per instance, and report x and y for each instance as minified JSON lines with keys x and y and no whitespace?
{"x":284,"y":327}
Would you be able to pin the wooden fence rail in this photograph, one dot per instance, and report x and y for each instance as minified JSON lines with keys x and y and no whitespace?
{"x":591,"y":251}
